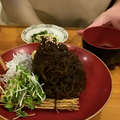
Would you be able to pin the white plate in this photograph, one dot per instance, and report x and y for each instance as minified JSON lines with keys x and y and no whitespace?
{"x":60,"y":32}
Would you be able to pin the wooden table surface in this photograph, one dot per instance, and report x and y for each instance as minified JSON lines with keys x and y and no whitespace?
{"x":10,"y":37}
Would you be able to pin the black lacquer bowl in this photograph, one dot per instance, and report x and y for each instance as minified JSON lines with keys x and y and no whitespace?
{"x":104,"y":42}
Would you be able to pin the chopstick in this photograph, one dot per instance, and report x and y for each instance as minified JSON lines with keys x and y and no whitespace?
{"x":3,"y":118}
{"x":3,"y":64}
{"x":5,"y":68}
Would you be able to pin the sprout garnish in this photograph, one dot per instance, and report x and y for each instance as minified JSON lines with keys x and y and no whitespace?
{"x":24,"y":90}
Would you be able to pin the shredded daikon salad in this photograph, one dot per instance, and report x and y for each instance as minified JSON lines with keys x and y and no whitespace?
{"x":20,"y":86}
{"x":21,"y":58}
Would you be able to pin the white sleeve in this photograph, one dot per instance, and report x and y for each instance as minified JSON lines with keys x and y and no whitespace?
{"x":20,"y":12}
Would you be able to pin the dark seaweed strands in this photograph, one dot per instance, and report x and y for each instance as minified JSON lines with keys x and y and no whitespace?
{"x":61,"y":71}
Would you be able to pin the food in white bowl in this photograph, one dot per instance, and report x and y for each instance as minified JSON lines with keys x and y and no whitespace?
{"x":38,"y":37}
{"x":58,"y":32}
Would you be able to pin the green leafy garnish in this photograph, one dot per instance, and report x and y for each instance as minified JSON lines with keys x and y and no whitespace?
{"x":37,"y":37}
{"x":31,"y":106}
{"x":21,"y":114}
{"x":20,"y":91}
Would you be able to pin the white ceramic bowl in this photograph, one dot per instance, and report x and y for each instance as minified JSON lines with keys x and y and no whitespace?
{"x":60,"y":32}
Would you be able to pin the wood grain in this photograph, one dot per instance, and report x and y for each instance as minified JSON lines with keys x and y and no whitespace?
{"x":10,"y":38}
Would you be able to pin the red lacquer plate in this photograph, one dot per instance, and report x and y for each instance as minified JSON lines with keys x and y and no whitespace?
{"x":92,"y":100}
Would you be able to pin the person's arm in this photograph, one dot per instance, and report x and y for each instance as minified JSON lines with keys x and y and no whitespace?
{"x":20,"y":12}
{"x":111,"y":15}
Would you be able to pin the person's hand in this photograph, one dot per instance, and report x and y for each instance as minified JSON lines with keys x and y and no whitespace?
{"x":111,"y":16}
